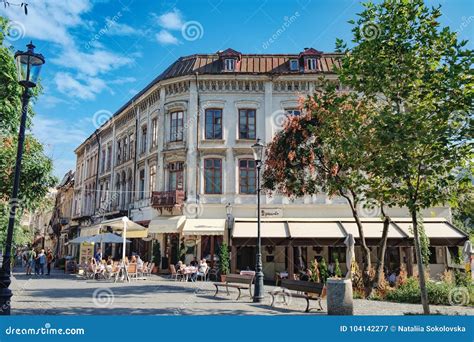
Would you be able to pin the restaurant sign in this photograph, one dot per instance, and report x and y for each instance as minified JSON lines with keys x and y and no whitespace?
{"x":271,"y":212}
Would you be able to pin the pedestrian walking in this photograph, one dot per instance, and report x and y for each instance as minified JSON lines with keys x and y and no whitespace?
{"x":49,"y":260}
{"x":31,"y":261}
{"x":41,"y":262}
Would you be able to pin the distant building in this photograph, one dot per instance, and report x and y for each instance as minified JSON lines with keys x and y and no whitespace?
{"x":175,"y":155}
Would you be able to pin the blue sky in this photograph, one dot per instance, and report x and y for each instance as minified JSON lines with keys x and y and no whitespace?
{"x":100,"y":53}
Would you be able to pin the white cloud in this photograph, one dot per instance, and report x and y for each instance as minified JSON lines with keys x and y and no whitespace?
{"x":123,"y":80}
{"x":84,"y":87}
{"x":171,"y":20}
{"x":117,"y":29}
{"x":164,"y":37}
{"x":96,"y":62}
{"x":55,"y":131}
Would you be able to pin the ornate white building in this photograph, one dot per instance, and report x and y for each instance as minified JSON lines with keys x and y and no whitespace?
{"x":177,"y":159}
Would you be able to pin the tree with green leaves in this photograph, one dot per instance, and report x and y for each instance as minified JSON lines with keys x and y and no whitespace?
{"x":224,"y":261}
{"x":420,"y":75}
{"x":327,"y":149}
{"x":36,"y":175}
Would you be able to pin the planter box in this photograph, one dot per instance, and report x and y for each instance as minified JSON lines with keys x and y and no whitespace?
{"x":339,"y":297}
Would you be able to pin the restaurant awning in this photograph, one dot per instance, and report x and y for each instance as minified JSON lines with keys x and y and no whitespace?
{"x":439,"y":231}
{"x":301,"y":230}
{"x":166,"y":224}
{"x":204,"y":227}
{"x":269,"y":229}
{"x":134,"y":230}
{"x":373,"y":230}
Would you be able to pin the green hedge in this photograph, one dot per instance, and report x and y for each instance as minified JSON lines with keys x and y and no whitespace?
{"x":438,"y":292}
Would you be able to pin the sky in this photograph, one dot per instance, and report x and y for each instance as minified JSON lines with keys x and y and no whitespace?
{"x":100,"y":53}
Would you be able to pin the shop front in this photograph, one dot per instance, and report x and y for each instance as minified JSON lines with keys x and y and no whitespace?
{"x":165,"y":230}
{"x":289,"y":245}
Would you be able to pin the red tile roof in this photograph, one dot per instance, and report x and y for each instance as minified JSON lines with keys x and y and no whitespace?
{"x":248,"y":64}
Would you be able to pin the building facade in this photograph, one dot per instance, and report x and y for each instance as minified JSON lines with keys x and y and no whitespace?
{"x":177,"y":159}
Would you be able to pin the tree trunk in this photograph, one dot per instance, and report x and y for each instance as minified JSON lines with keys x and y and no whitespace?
{"x":365,"y":249}
{"x":381,"y":251}
{"x":421,"y":268}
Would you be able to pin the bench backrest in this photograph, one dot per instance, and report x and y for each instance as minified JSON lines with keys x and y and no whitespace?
{"x":303,"y":286}
{"x":239,"y":278}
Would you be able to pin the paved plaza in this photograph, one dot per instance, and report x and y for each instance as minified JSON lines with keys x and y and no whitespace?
{"x":62,"y":294}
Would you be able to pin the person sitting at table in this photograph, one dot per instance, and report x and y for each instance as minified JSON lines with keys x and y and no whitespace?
{"x":194,"y":262}
{"x":139,"y":262}
{"x":109,"y":265}
{"x":180,"y":267}
{"x":202,"y":269}
{"x":133,"y":260}
{"x":92,"y":265}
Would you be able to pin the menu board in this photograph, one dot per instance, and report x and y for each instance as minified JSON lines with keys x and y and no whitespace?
{"x":86,"y":252}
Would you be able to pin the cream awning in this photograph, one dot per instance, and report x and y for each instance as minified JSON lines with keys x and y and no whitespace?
{"x":166,"y":224}
{"x":134,"y":230}
{"x":90,"y":231}
{"x":433,"y":229}
{"x":248,"y":229}
{"x":204,"y":227}
{"x":315,"y":230}
{"x":373,"y":230}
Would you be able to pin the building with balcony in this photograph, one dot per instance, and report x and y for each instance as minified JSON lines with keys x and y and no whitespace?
{"x":177,"y":159}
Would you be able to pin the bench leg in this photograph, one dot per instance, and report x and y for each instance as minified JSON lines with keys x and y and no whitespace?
{"x":217,"y":290}
{"x":239,"y":294}
{"x":273,"y":299}
{"x":320,"y":306}
{"x":307,"y":305}
{"x":227,"y":288}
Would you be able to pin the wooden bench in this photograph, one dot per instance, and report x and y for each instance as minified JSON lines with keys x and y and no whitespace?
{"x":238,"y":282}
{"x":304,"y":290}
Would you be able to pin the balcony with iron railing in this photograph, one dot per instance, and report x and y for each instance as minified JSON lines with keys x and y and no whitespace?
{"x":168,"y":200}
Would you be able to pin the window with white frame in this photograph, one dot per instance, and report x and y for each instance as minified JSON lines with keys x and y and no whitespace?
{"x":141,"y":184}
{"x":154,"y":132}
{"x":294,"y":65}
{"x":229,"y":64}
{"x":311,"y":63}
{"x":176,"y":126}
{"x":152,"y":182}
{"x":143,"y":140}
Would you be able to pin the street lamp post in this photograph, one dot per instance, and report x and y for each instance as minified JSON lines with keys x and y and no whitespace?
{"x":28,"y":66}
{"x":228,"y":209}
{"x":258,"y":150}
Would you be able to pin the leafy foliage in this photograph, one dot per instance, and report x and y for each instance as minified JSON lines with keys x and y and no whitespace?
{"x":224,"y":262}
{"x":323,"y":271}
{"x":337,"y":269}
{"x":36,"y":176}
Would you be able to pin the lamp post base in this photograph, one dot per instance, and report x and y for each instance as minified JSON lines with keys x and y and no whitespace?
{"x":259,"y":293}
{"x":5,"y":292}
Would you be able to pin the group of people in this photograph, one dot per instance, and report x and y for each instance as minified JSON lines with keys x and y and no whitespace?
{"x":37,"y":259}
{"x":99,"y":265}
{"x":200,"y":268}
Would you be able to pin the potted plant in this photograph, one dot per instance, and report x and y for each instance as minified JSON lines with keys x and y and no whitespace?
{"x":340,"y":299}
{"x":224,"y":261}
{"x":156,"y":256}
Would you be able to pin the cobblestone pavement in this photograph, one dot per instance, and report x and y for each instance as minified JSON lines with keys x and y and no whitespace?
{"x":69,"y":295}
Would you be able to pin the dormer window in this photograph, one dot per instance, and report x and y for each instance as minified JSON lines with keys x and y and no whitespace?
{"x":229,"y":64}
{"x":311,"y":64}
{"x":294,"y":65}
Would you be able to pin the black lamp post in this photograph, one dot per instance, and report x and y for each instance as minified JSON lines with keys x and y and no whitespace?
{"x":28,"y":66}
{"x":258,"y":150}
{"x":228,"y":209}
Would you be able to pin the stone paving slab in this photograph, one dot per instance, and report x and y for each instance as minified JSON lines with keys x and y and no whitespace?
{"x":62,"y":294}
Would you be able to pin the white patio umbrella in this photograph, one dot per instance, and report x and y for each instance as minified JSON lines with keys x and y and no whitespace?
{"x":350,"y":255}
